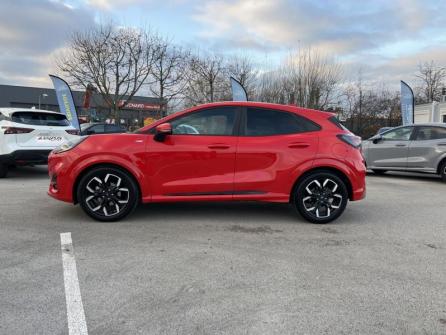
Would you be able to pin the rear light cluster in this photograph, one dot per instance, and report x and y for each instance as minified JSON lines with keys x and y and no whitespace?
{"x":73,"y":132}
{"x":350,"y":139}
{"x":16,"y":130}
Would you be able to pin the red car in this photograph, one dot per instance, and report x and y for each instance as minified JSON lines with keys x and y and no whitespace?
{"x":216,"y":152}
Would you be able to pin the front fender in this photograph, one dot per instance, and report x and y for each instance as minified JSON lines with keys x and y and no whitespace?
{"x":131,"y":163}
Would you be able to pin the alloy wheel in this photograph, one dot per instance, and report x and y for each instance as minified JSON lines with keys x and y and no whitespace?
{"x":322,"y":199}
{"x":106,"y":195}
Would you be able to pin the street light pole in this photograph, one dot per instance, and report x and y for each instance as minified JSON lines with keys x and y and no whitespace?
{"x":43,"y":95}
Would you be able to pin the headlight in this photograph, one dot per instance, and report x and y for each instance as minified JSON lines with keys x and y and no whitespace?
{"x":69,"y":145}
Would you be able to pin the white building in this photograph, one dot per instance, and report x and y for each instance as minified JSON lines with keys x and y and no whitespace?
{"x":430,"y":112}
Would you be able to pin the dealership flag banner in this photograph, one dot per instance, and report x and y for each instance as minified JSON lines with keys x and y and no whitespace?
{"x":65,"y":100}
{"x":407,"y":104}
{"x":238,"y":91}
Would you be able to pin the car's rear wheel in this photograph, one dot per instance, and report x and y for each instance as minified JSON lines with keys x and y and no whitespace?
{"x":443,"y":171}
{"x":107,"y":194}
{"x":321,"y":197}
{"x":379,"y":172}
{"x":3,"y":170}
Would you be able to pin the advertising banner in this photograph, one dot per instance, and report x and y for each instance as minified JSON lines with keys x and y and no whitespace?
{"x":238,"y":91}
{"x":65,"y":100}
{"x":407,"y":104}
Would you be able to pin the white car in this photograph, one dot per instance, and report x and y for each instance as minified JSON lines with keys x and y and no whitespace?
{"x":27,"y":136}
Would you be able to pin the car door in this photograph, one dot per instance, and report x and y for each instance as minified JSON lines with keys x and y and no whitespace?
{"x":391,"y":150}
{"x":272,"y":144}
{"x":427,"y":148}
{"x":198,"y":159}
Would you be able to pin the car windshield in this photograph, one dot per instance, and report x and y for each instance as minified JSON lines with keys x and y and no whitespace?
{"x":40,"y":119}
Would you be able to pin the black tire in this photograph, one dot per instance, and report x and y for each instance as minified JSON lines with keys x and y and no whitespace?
{"x":379,"y":172}
{"x":320,"y":197}
{"x":3,"y":170}
{"x":104,"y":198}
{"x":443,"y":171}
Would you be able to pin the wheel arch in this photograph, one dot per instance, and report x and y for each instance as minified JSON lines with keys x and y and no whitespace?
{"x":331,"y":169}
{"x":440,"y":163}
{"x":98,"y":165}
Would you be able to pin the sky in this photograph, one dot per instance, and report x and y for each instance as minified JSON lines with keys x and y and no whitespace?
{"x":384,"y":40}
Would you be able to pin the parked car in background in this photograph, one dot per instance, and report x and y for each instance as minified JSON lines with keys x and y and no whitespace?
{"x":383,"y":130}
{"x":28,"y":135}
{"x":216,"y":152}
{"x":418,"y":148}
{"x":100,"y":128}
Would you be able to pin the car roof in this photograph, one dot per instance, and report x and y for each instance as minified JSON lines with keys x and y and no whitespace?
{"x":290,"y":108}
{"x":257,"y":104}
{"x":435,"y":124}
{"x":9,"y":110}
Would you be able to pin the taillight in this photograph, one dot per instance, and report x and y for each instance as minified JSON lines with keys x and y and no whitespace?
{"x":73,"y":132}
{"x":350,"y":139}
{"x":16,"y":130}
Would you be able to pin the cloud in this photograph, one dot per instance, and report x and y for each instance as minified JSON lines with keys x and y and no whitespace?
{"x":31,"y":32}
{"x":112,"y":4}
{"x":345,"y":27}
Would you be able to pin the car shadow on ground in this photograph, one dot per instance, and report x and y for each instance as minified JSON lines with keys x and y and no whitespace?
{"x":28,"y":172}
{"x":256,"y":212}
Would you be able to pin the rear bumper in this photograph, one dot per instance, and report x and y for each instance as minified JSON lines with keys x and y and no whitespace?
{"x":24,"y":157}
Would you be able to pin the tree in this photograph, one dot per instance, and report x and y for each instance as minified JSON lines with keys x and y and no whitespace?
{"x":305,"y":78}
{"x":206,"y":80}
{"x":116,"y":61}
{"x":168,"y":72}
{"x":432,"y":79}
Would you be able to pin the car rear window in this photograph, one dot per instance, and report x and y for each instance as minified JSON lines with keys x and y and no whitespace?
{"x":267,"y":122}
{"x":40,"y":119}
{"x":337,"y":123}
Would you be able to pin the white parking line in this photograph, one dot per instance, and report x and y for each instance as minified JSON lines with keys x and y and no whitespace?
{"x":75,"y":310}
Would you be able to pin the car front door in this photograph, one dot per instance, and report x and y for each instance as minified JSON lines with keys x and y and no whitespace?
{"x":198,"y":159}
{"x":271,"y":146}
{"x":391,"y":150}
{"x":428,"y":146}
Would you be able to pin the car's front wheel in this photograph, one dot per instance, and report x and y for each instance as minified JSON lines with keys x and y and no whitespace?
{"x":3,"y":170}
{"x":107,"y":193}
{"x":321,"y":197}
{"x":443,"y":171}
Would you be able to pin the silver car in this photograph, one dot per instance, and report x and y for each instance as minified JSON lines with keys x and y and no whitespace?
{"x":418,"y":148}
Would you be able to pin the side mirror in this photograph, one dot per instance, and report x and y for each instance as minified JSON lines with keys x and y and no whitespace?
{"x":376,"y":139}
{"x":161,"y":131}
{"x":90,"y":132}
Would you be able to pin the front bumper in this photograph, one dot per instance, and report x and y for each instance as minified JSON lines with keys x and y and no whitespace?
{"x":25,"y":157}
{"x":61,"y":180}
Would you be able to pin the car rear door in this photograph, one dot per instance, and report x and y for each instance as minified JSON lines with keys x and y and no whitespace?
{"x":392,"y":150}
{"x":48,"y":129}
{"x":428,"y":146}
{"x":272,"y":144}
{"x":198,"y":159}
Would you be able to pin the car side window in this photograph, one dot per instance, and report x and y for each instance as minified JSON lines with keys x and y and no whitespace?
{"x":400,"y":134}
{"x":267,"y":122}
{"x":213,"y":121}
{"x":112,"y":128}
{"x":98,"y":129}
{"x":430,"y":133}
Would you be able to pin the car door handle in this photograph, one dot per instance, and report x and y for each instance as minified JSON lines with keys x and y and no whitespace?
{"x":298,"y":145}
{"x":441,"y":144}
{"x":219,"y":146}
{"x":400,"y":145}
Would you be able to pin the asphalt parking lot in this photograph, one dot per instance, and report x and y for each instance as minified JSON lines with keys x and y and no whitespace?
{"x":228,"y":268}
